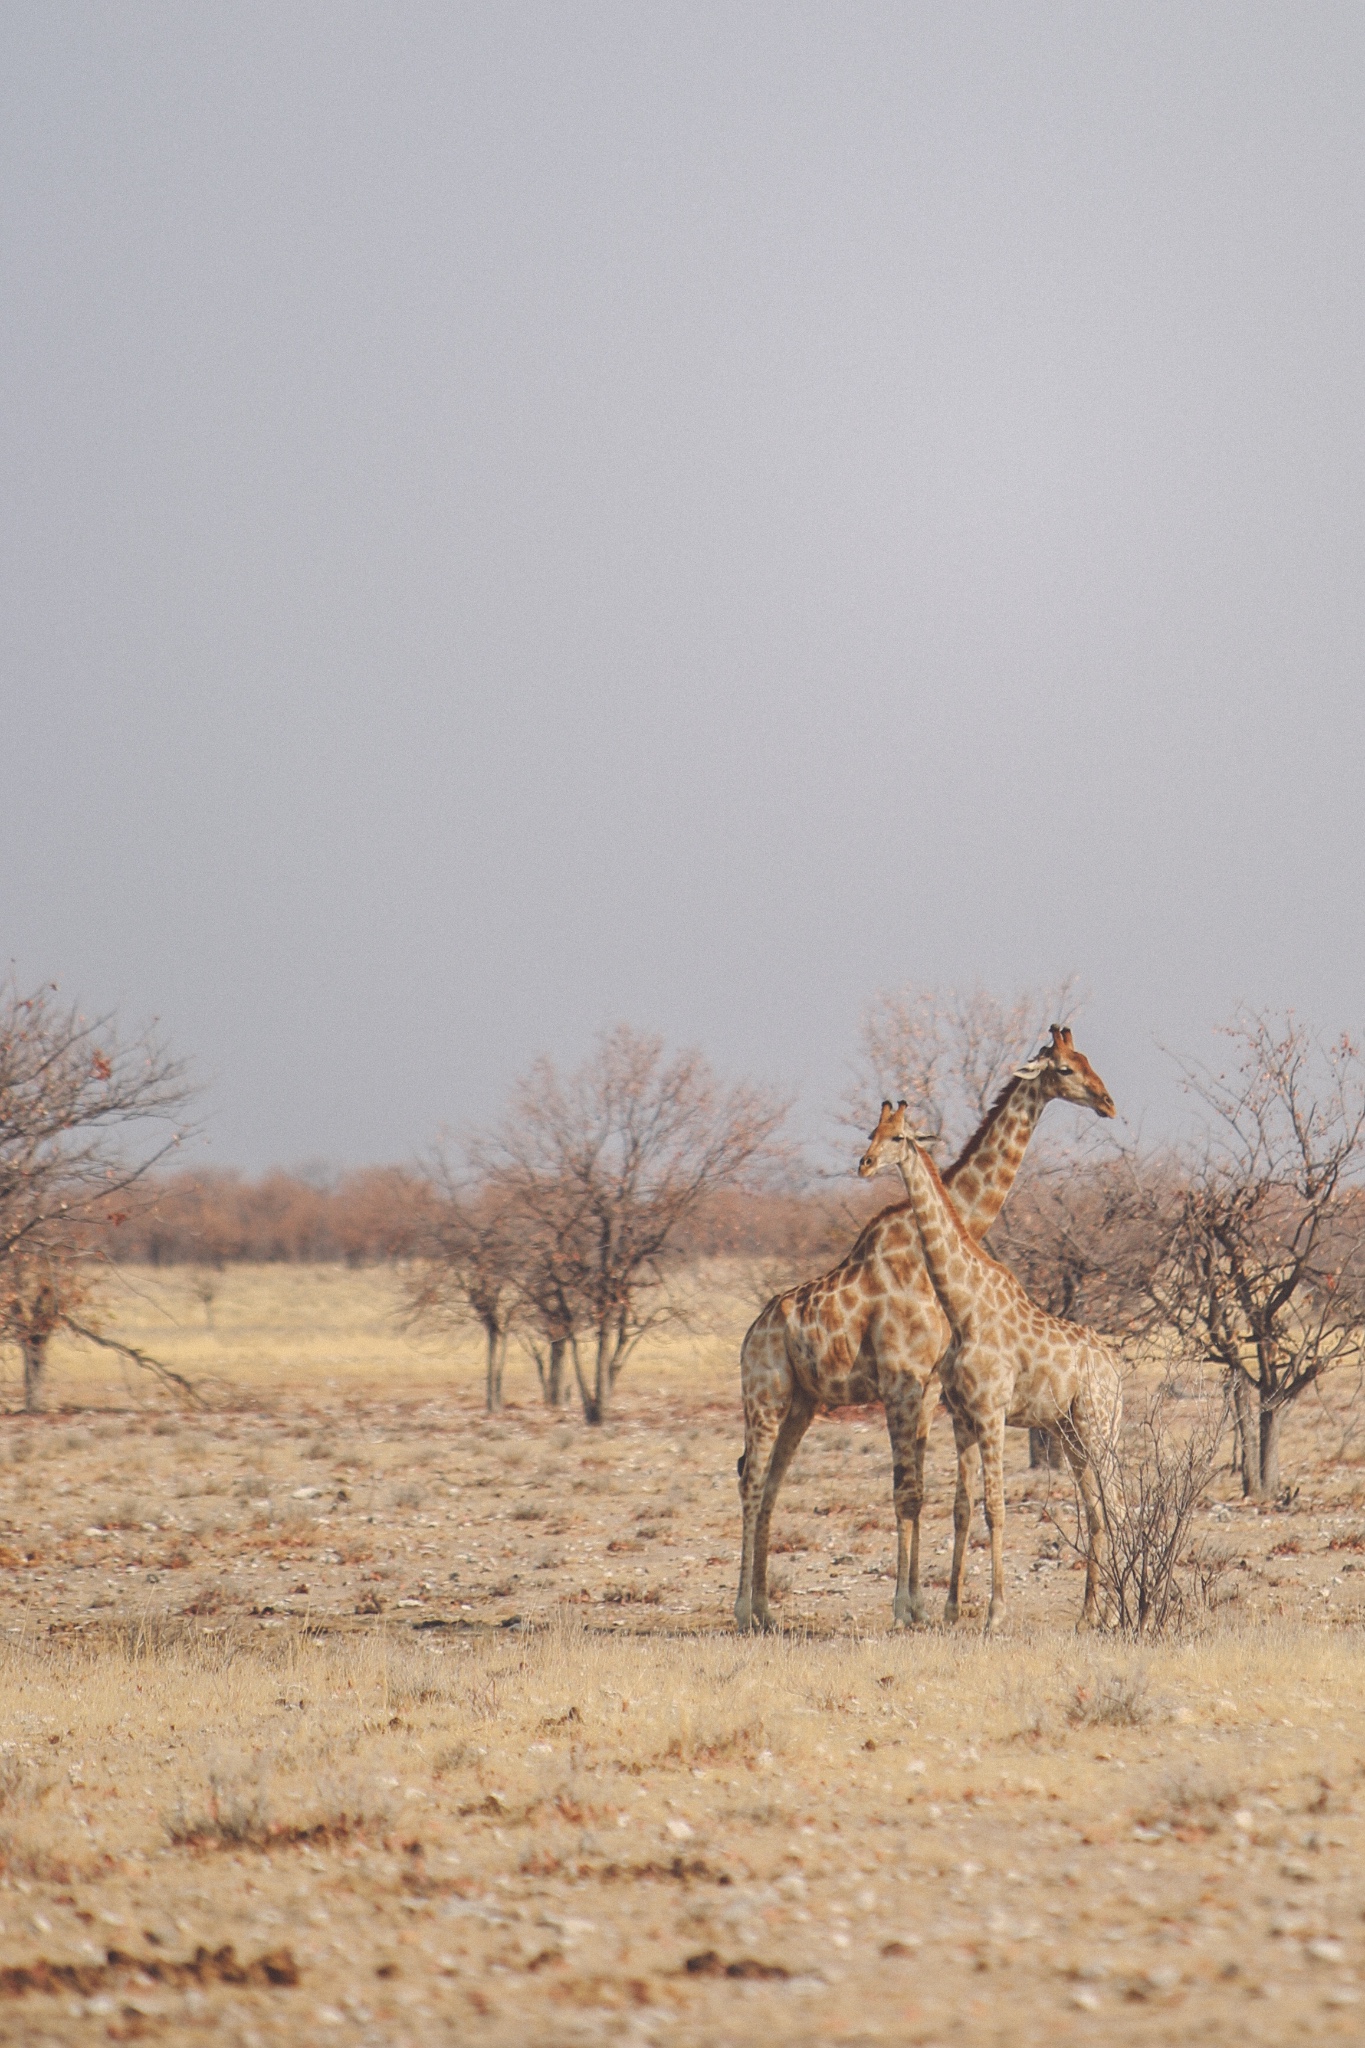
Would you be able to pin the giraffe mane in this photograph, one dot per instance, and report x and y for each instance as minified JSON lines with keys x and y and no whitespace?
{"x":979,"y":1135}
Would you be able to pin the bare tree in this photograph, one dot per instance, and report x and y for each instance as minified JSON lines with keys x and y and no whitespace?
{"x":947,"y":1052}
{"x":603,"y":1168}
{"x":470,"y":1255}
{"x":85,"y":1114}
{"x":1264,"y":1273}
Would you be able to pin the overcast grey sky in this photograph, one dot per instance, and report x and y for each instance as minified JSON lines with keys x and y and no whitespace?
{"x":517,"y":517}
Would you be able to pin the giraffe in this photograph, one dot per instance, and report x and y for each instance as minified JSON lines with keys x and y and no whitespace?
{"x":1009,"y":1361}
{"x":872,"y":1329}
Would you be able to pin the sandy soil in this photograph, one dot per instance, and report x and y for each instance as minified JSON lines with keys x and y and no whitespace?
{"x":338,"y":1713}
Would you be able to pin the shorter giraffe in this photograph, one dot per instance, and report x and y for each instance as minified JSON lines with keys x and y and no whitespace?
{"x":1009,"y":1362}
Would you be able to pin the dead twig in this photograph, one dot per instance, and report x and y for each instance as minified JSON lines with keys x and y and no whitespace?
{"x":167,"y":1374}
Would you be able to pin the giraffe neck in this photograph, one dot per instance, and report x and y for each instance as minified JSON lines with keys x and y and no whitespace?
{"x":955,"y":1261}
{"x":983,"y":1173}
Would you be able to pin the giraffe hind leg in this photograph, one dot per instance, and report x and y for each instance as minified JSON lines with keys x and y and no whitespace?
{"x":795,"y":1423}
{"x":759,"y":1437}
{"x":962,"y":1516}
{"x":1075,"y":1442}
{"x":993,"y":1492}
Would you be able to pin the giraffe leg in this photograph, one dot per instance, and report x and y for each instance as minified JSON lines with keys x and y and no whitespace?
{"x":1075,"y":1441}
{"x":770,"y":1393}
{"x":965,"y":1440}
{"x":760,"y":1434}
{"x":993,"y":1489}
{"x":795,"y":1423}
{"x":907,"y":1426}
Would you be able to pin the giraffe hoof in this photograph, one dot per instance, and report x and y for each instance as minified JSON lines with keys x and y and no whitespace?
{"x":994,"y":1617}
{"x":950,"y":1613}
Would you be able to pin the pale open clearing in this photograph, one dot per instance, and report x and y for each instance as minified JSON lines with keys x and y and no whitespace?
{"x":437,"y":1722}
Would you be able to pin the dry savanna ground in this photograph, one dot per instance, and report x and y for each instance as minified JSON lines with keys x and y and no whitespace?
{"x":333,"y":1712}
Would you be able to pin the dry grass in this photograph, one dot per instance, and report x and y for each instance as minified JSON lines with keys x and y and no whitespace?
{"x":327,"y":1329}
{"x":339,"y":1714}
{"x":534,"y":1837}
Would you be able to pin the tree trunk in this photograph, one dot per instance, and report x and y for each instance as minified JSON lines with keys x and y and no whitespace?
{"x":35,"y":1361}
{"x":1248,"y":1454}
{"x":550,"y":1371}
{"x":497,"y":1353}
{"x":602,"y":1375}
{"x":1270,"y":1450}
{"x":1044,"y":1450}
{"x":592,"y":1413}
{"x":618,"y":1348}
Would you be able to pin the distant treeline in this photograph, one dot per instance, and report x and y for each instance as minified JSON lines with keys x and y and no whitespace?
{"x":218,"y":1217}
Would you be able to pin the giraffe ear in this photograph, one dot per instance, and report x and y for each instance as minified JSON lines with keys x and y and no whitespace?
{"x":1033,"y":1069}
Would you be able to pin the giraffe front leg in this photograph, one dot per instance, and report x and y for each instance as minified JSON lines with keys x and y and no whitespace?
{"x":905,"y":1407}
{"x":919,"y":1612}
{"x":993,"y":1490}
{"x":962,"y":1517}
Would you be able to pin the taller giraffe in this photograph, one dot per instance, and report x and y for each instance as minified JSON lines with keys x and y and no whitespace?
{"x":1009,"y":1361}
{"x":872,"y":1329}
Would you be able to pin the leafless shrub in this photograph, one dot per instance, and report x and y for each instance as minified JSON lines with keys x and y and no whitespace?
{"x":1155,"y":1572}
{"x":240,"y":1812}
{"x":23,"y":1783}
{"x":1192,"y":1799}
{"x":1111,"y":1699}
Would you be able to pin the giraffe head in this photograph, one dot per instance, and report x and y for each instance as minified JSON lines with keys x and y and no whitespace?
{"x":890,"y":1142}
{"x":1067,"y":1075}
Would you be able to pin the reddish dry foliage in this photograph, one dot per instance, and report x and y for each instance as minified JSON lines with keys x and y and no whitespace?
{"x":205,"y":1966}
{"x":709,"y":1964}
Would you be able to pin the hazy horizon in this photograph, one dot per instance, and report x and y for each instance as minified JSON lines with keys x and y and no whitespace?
{"x":518,"y":519}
